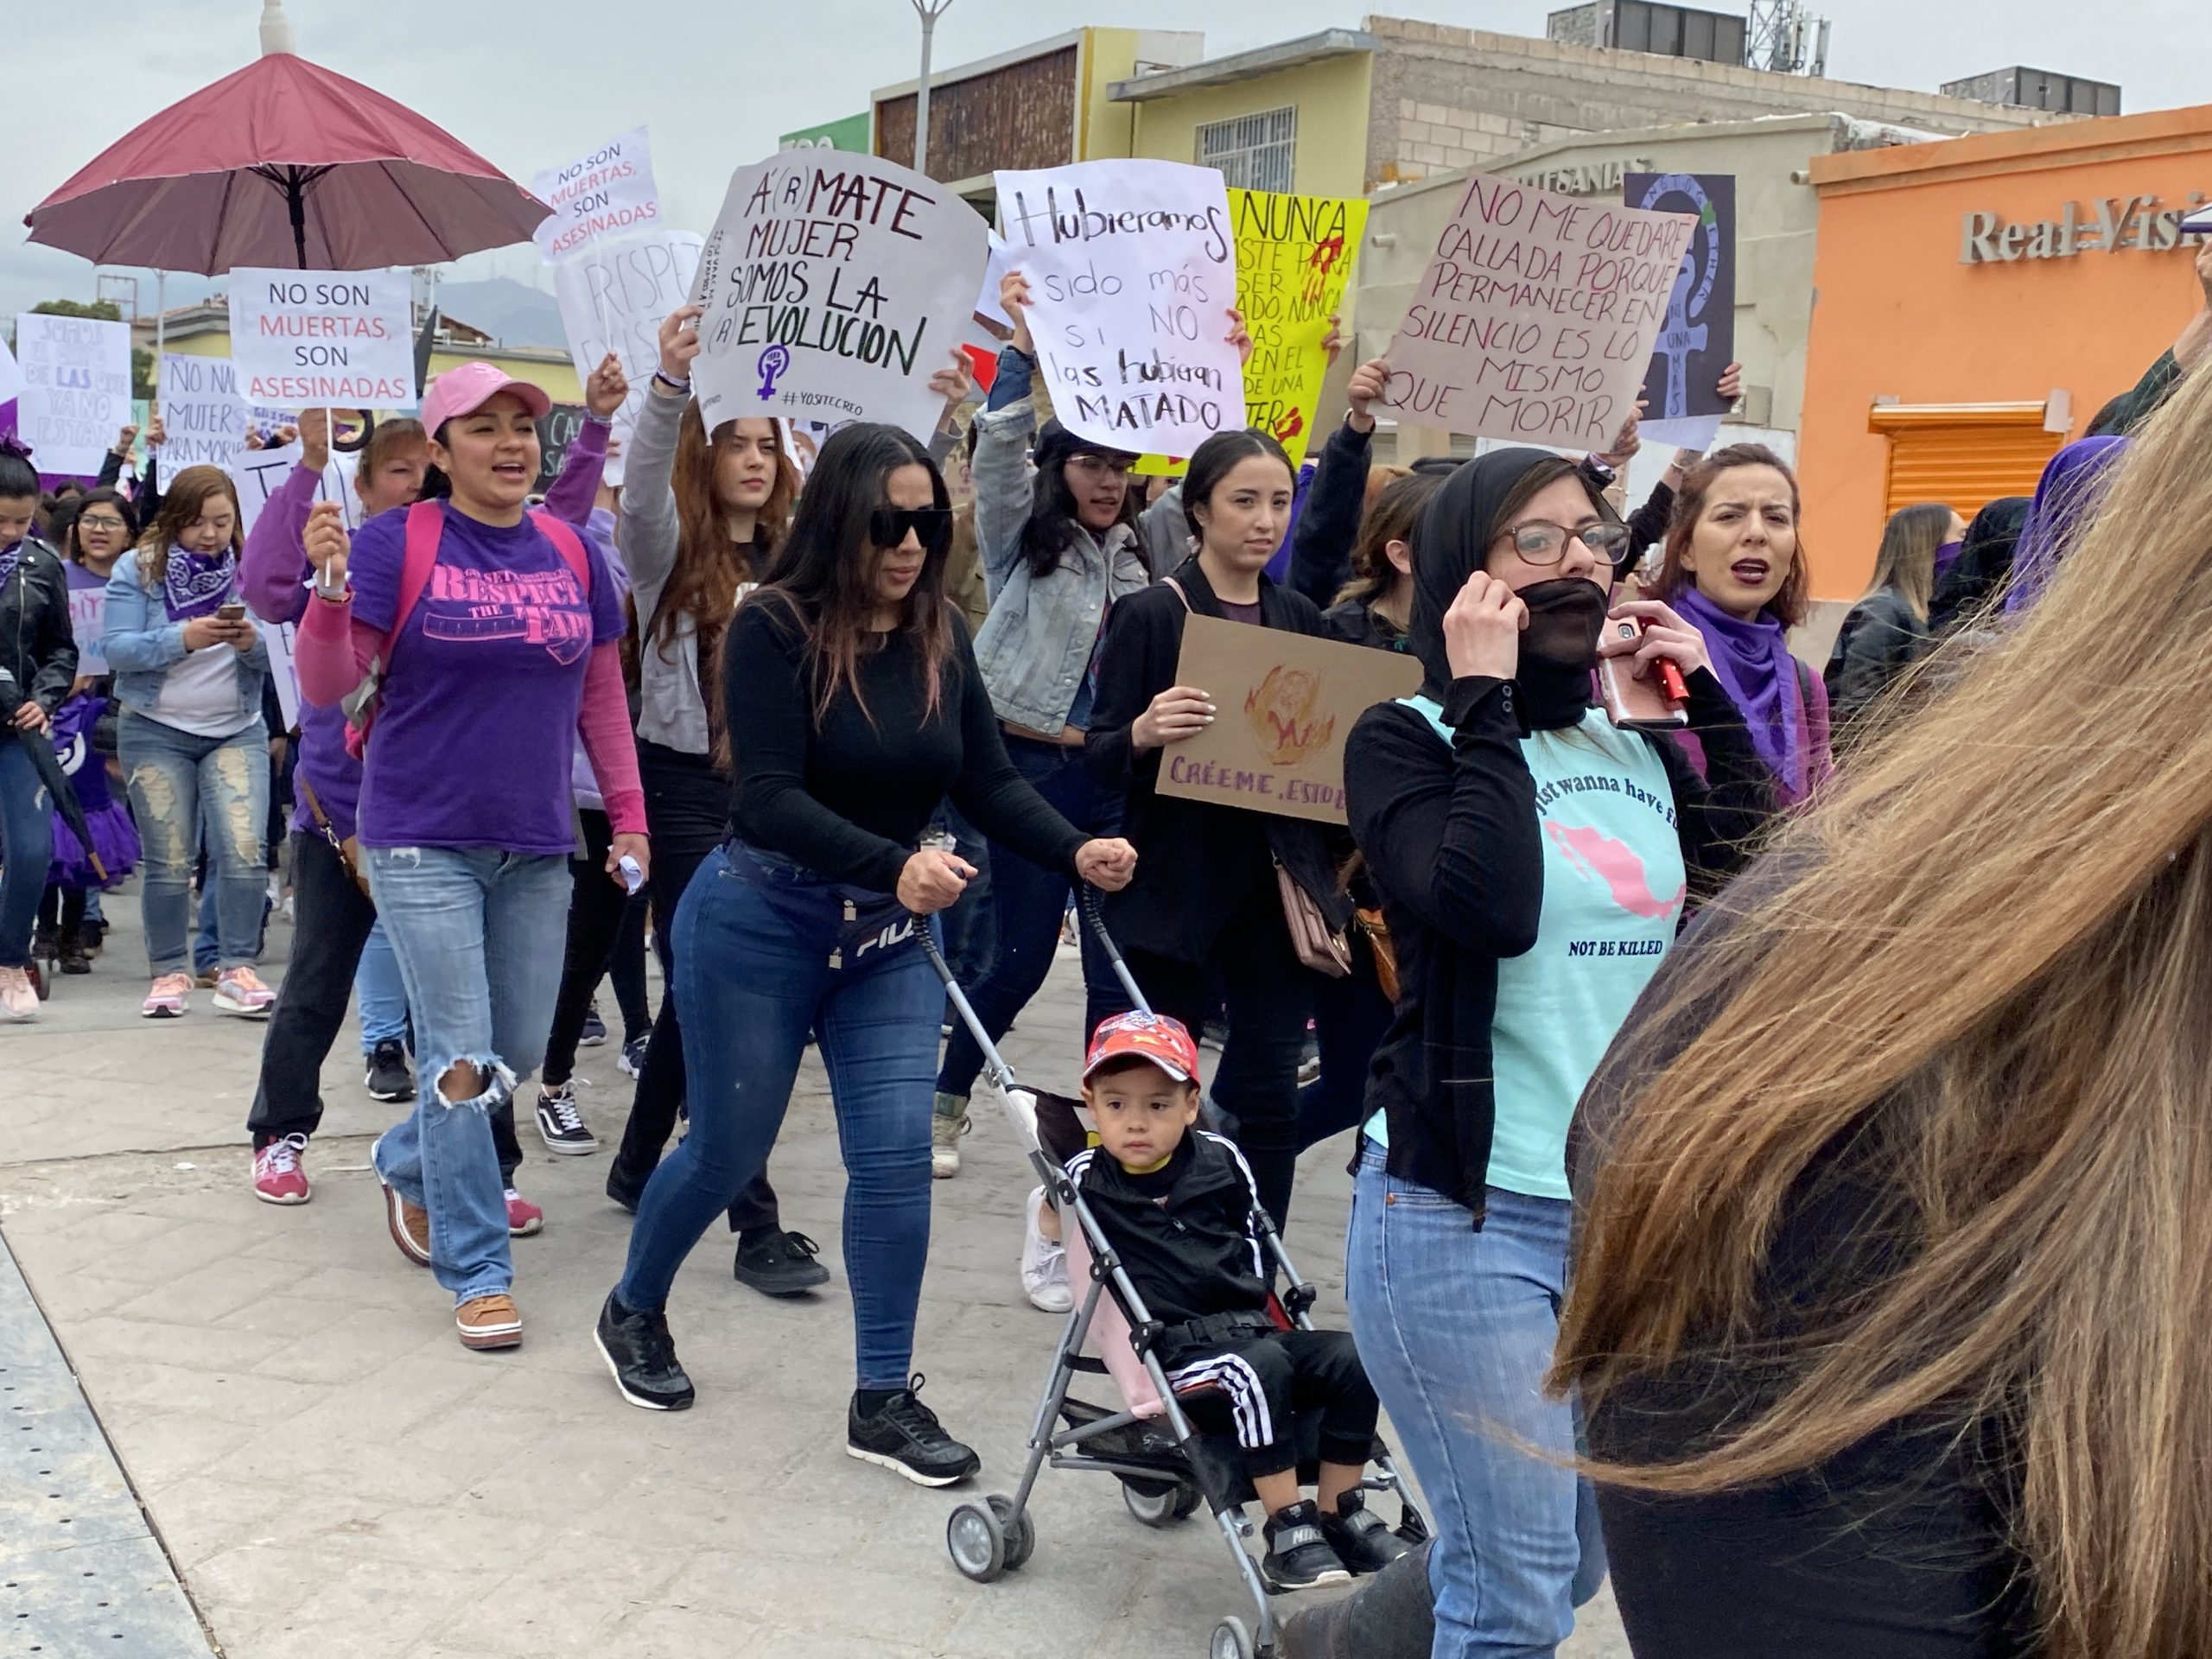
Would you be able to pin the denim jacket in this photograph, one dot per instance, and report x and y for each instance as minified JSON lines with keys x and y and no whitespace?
{"x":1036,"y":647}
{"x":142,"y":644}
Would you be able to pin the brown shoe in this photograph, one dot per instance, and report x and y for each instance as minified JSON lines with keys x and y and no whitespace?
{"x":410,"y":1227}
{"x":489,"y":1322}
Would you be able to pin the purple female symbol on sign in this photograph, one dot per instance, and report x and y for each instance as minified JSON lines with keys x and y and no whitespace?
{"x":773,"y":362}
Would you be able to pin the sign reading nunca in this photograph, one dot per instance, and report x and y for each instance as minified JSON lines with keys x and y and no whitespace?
{"x":2112,"y":223}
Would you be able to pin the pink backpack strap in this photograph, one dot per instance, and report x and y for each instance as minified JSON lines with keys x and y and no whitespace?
{"x":562,"y":535}
{"x":426,"y":527}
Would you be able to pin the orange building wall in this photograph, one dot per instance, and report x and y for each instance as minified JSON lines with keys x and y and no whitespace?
{"x":1896,"y":314}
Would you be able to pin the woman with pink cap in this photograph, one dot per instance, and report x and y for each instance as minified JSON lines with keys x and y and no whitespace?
{"x":482,"y":637}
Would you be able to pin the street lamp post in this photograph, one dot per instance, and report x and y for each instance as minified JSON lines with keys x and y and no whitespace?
{"x":929,"y":11}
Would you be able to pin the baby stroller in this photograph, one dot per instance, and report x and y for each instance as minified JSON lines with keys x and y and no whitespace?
{"x":1166,"y":1466}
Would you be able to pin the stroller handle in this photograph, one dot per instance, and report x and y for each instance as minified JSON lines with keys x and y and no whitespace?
{"x":994,"y":1064}
{"x":1097,"y":918}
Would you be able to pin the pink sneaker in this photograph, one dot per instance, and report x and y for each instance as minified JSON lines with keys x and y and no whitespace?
{"x":170,"y":996}
{"x":18,"y":996}
{"x":524,"y":1217}
{"x":239,"y":990}
{"x":278,"y":1175}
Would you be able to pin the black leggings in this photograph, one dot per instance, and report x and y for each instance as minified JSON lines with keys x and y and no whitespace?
{"x":607,"y":931}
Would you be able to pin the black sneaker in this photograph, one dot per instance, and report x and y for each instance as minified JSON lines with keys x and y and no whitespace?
{"x":1299,"y":1553}
{"x":594,"y":1031}
{"x":904,"y":1436}
{"x":640,"y":1351}
{"x":560,"y":1125}
{"x":633,"y":1056}
{"x":71,"y":953}
{"x":626,"y":1186}
{"x":780,"y":1264}
{"x":1359,"y":1536}
{"x":388,"y":1077}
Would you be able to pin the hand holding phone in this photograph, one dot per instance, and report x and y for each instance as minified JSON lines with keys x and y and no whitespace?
{"x":1633,"y":702}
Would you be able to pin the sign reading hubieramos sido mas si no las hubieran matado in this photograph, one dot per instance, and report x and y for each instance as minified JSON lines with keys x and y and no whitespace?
{"x":1535,"y":317}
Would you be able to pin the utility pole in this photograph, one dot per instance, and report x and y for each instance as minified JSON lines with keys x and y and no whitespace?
{"x":929,"y":11}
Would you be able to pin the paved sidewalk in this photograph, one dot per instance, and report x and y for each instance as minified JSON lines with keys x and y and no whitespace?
{"x":334,"y":1475}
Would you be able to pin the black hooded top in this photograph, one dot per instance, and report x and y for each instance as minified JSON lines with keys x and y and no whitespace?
{"x":1978,"y":574}
{"x":1452,"y":837}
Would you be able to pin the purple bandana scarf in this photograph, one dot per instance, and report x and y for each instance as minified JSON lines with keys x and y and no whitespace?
{"x":1753,"y":663}
{"x":10,"y":558}
{"x":193,"y":584}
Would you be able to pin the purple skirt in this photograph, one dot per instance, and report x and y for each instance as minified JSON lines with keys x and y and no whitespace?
{"x":114,"y":837}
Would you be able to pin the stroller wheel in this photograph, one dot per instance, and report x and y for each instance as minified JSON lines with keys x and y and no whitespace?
{"x":1161,"y":1505}
{"x":976,"y":1541}
{"x":1230,"y":1641}
{"x":1018,"y":1530}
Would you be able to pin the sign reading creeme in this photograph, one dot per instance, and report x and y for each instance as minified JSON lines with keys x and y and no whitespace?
{"x":2112,"y":223}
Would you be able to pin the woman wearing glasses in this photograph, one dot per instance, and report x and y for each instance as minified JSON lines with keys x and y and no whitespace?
{"x":855,"y":709}
{"x":1534,"y":861}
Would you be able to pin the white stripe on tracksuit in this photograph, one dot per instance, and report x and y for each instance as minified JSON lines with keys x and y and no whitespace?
{"x":1248,"y":1401}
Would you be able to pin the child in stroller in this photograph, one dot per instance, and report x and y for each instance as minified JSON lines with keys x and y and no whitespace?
{"x":1177,"y":1204}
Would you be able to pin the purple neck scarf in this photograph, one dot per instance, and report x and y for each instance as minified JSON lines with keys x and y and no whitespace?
{"x":1752,"y":662}
{"x":10,"y":558}
{"x":193,"y":584}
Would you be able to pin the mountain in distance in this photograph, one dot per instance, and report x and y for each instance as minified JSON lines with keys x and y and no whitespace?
{"x":512,"y":313}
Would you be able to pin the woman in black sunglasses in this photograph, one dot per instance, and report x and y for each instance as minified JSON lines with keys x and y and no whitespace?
{"x":855,"y":709}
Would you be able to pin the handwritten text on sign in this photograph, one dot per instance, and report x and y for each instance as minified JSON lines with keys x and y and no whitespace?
{"x":201,"y":411}
{"x":608,"y":193}
{"x":1132,"y":268}
{"x":1535,"y":318}
{"x":76,"y":391}
{"x":835,"y":285}
{"x":614,"y":297}
{"x":323,"y":337}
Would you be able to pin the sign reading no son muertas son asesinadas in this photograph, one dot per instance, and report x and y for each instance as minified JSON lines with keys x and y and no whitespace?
{"x":324,"y":339}
{"x":1535,"y":319}
{"x":1132,"y":268}
{"x":835,"y":285}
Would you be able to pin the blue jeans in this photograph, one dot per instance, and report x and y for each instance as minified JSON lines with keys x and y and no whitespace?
{"x":754,"y":937}
{"x":1029,"y":901}
{"x":26,"y":846}
{"x":1456,"y":1328}
{"x":173,"y":775}
{"x":383,"y":993}
{"x":478,"y":935}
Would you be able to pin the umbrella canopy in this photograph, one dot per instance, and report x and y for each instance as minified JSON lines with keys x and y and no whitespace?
{"x":285,"y":163}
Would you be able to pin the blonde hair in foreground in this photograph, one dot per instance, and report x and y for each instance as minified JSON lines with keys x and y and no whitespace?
{"x":1991,"y":958}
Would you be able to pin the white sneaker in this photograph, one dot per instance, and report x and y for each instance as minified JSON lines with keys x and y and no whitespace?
{"x":1043,"y":1260}
{"x":944,"y":1142}
{"x":18,"y":997}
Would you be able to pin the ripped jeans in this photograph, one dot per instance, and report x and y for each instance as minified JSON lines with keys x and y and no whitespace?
{"x":176,"y":778}
{"x":479,"y":935}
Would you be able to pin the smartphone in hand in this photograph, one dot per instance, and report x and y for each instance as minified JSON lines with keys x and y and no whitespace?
{"x":1632,"y":702}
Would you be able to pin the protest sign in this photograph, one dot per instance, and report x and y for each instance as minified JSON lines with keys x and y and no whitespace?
{"x":202,"y":414}
{"x":556,"y":430}
{"x":76,"y":390}
{"x":835,"y":286}
{"x":340,"y":338}
{"x":1287,"y":702}
{"x":1535,"y":318}
{"x":609,"y":192}
{"x":87,"y":622}
{"x":258,"y":474}
{"x":1132,"y":269}
{"x":1697,"y":341}
{"x":614,"y":297}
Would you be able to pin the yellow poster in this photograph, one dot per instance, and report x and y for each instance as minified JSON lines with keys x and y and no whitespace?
{"x":1294,"y":256}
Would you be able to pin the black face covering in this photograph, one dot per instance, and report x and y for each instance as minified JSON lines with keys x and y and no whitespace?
{"x":1566,"y":615}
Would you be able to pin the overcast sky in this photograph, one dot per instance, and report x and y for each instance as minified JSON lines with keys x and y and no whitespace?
{"x":533,"y":85}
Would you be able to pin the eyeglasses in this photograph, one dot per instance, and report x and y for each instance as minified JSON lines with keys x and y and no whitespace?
{"x":931,"y":526}
{"x":1540,"y":542}
{"x":90,"y":521}
{"x":1100,"y":465}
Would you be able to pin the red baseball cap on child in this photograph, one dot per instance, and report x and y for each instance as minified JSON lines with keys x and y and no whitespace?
{"x":1152,"y":1037}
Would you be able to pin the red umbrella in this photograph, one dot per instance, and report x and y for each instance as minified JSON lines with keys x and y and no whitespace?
{"x":285,"y":163}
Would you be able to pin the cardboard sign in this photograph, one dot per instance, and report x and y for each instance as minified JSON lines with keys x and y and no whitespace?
{"x":615,"y":296}
{"x":201,"y":411}
{"x":1535,"y":319}
{"x":1132,"y":268}
{"x":341,"y":338}
{"x":835,"y":285}
{"x":1286,"y":702}
{"x":1697,"y":341}
{"x":609,"y":192}
{"x":76,"y":391}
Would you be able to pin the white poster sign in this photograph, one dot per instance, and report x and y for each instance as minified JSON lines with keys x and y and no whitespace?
{"x":258,"y":474}
{"x":1132,"y":268}
{"x":615,"y":296}
{"x":87,"y":622}
{"x":1535,"y":318}
{"x":76,"y":390}
{"x":608,"y":193}
{"x":201,"y":411}
{"x":337,"y":339}
{"x":835,"y":285}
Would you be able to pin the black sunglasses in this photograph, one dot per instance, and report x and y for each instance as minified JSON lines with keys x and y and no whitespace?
{"x":932,"y":526}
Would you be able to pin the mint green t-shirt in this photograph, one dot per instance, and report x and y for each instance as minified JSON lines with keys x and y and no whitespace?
{"x":1614,"y":884}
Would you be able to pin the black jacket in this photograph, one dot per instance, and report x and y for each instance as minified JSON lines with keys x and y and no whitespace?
{"x":1880,"y":640}
{"x":1328,"y":519}
{"x":37,"y":646}
{"x":1452,"y":840}
{"x":1197,"y":861}
{"x":1192,"y":1251}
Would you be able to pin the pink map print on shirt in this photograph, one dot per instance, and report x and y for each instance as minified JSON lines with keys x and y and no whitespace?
{"x":480,"y":606}
{"x":1615,"y":863}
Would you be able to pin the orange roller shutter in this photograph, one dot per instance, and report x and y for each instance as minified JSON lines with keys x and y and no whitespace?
{"x":1965,"y":455}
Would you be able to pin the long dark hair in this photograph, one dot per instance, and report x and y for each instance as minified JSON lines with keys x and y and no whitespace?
{"x":822,"y":575}
{"x":1053,"y":526}
{"x":703,"y":583}
{"x":1392,"y":519}
{"x":1787,"y":606}
{"x":64,"y":527}
{"x":1216,"y":458}
{"x":189,"y":491}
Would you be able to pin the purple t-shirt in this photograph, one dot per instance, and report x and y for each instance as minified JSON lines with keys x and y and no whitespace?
{"x":477,"y":716}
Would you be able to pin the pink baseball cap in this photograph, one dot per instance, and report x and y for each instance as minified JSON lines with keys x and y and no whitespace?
{"x":1154,"y":1037}
{"x":467,"y":388}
